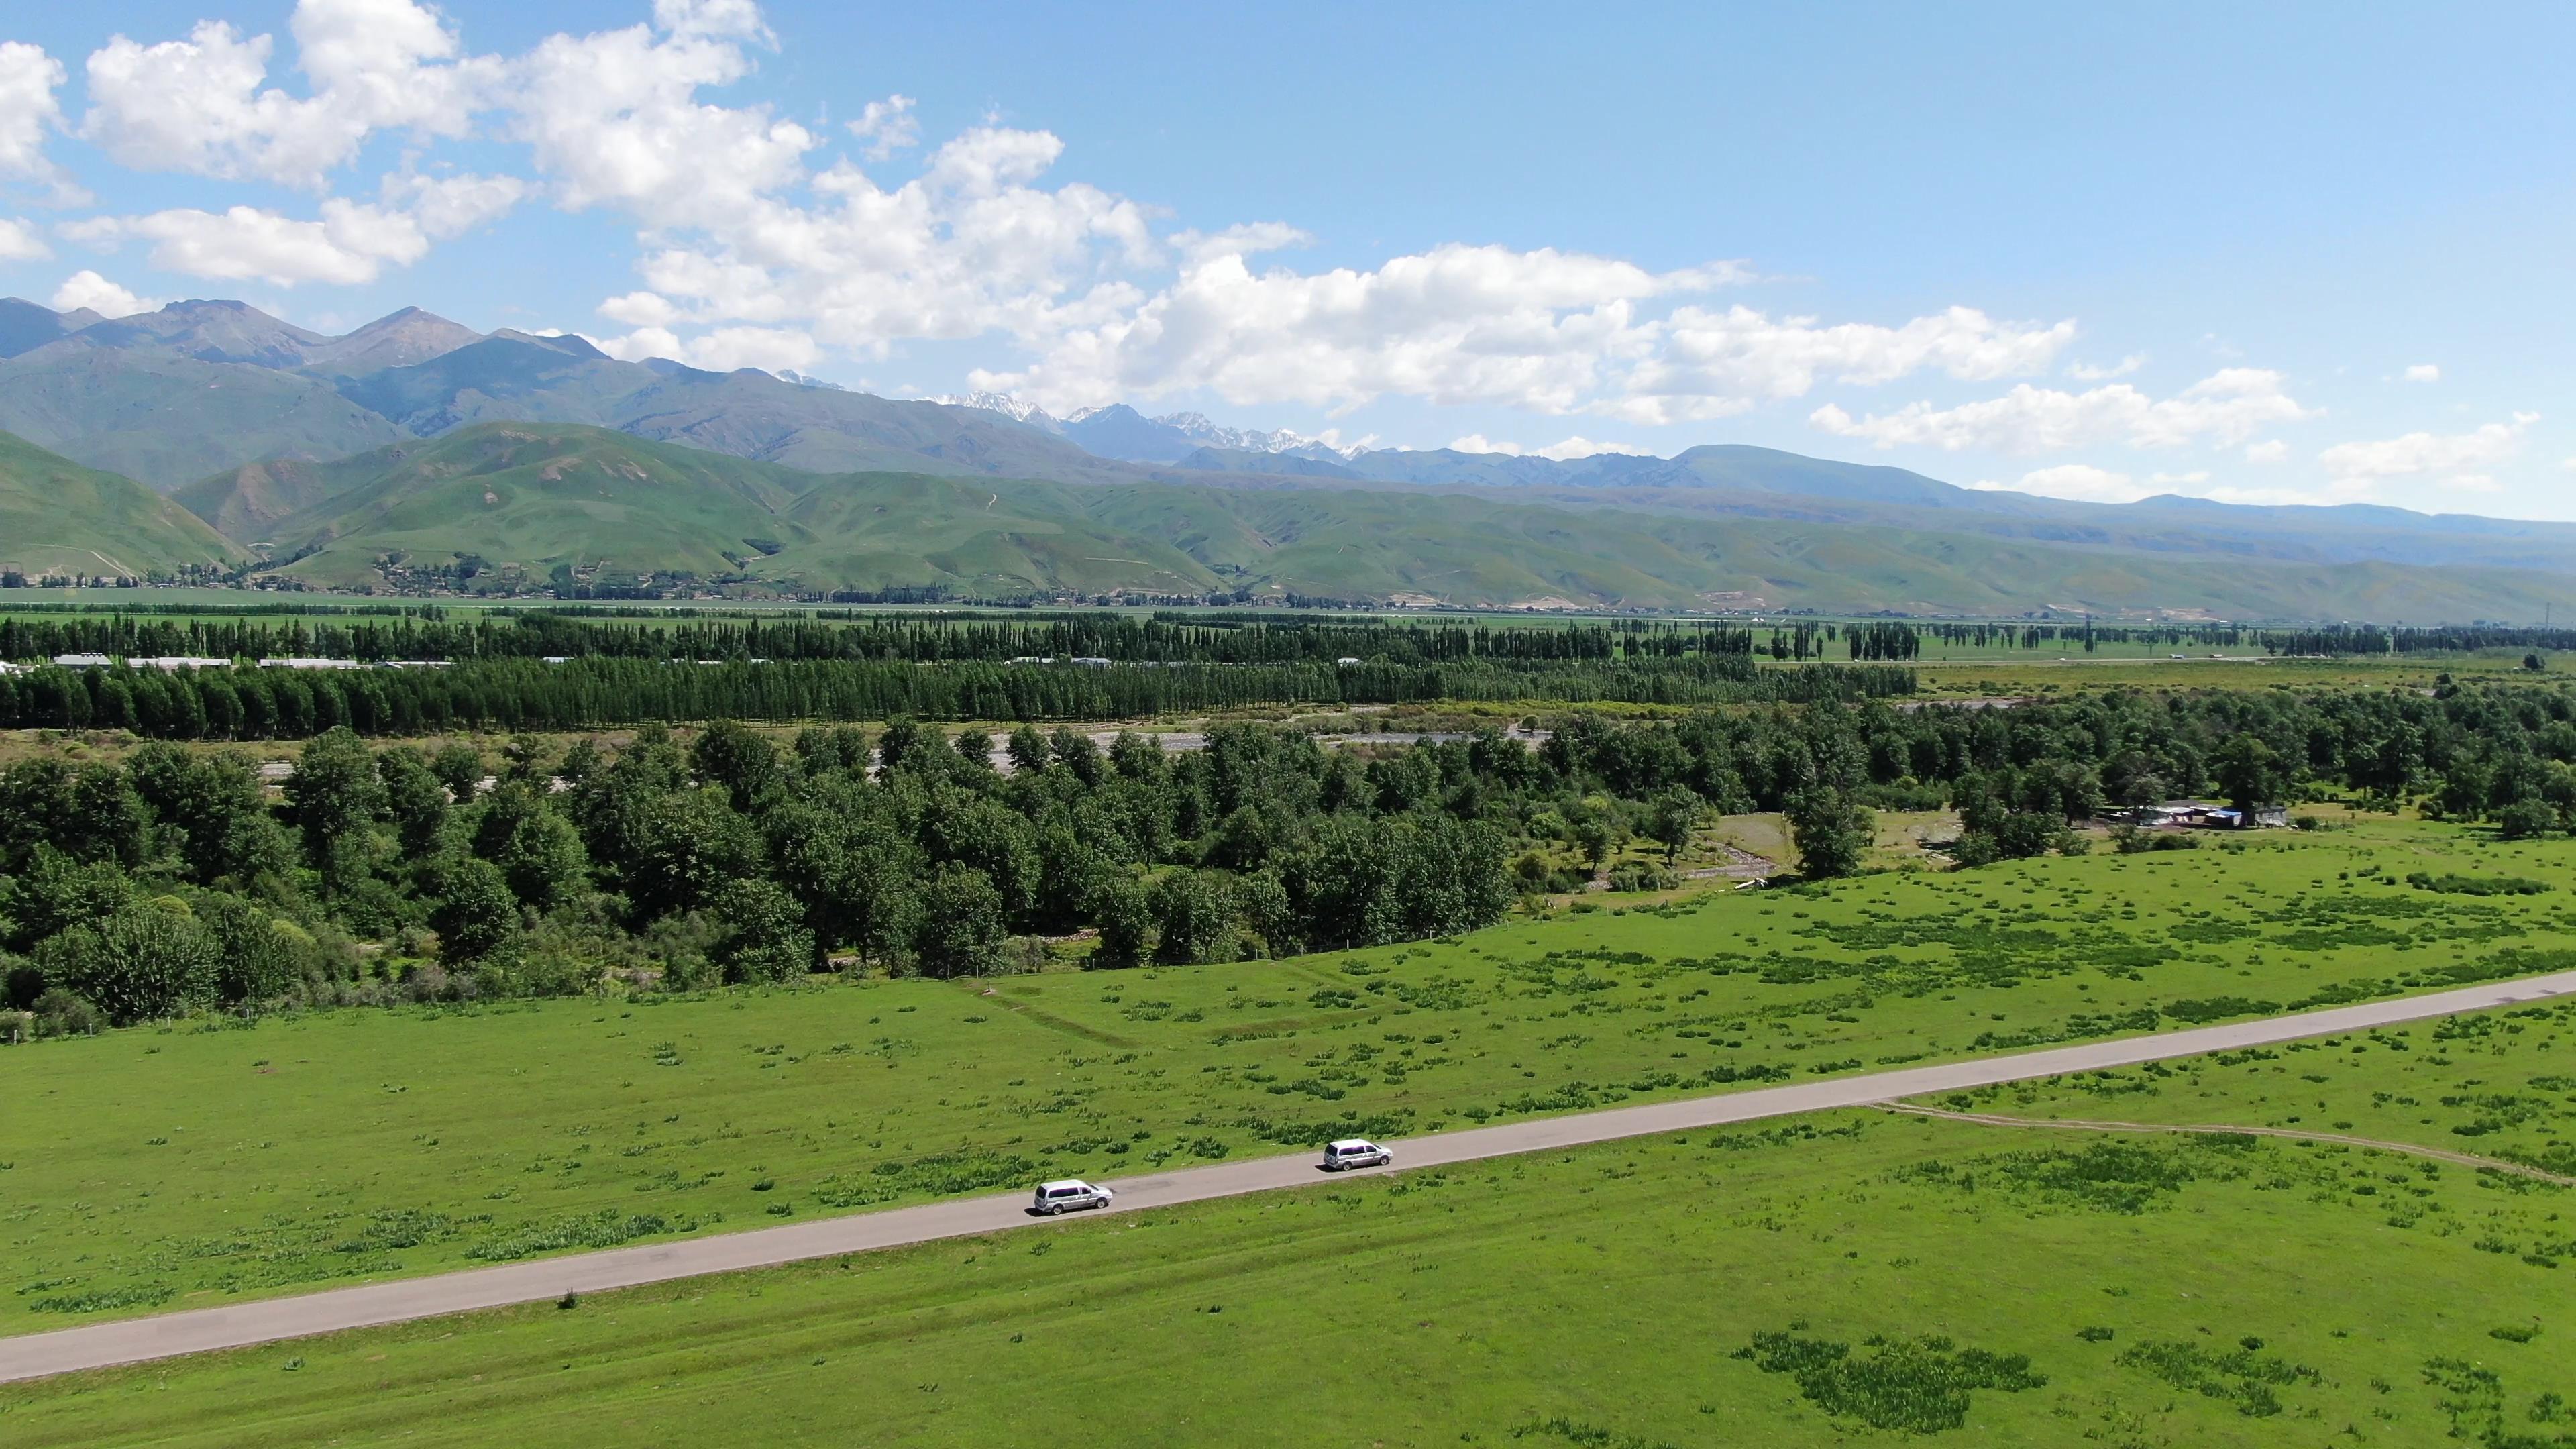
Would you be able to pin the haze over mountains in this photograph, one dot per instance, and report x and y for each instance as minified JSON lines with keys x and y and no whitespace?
{"x":324,"y":454}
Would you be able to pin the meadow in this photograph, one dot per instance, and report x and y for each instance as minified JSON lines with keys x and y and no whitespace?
{"x":177,"y":1165}
{"x":1854,"y":1276}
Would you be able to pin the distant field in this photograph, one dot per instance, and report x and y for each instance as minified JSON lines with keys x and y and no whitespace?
{"x":169,"y":1167}
{"x":1852,"y":1277}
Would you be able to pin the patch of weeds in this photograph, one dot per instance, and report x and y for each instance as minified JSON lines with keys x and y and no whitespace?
{"x":1920,"y":1385}
{"x":2243,"y":1376}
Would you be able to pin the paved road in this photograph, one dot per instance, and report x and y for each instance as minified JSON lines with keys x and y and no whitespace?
{"x":198,"y":1330}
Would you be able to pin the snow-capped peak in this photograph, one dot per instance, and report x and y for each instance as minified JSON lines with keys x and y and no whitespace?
{"x":785,"y":374}
{"x":1000,"y":402}
{"x":1197,"y":426}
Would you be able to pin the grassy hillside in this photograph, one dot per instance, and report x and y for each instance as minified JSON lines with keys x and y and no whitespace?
{"x":59,"y":517}
{"x":168,"y":420}
{"x":638,"y":506}
{"x":540,"y":496}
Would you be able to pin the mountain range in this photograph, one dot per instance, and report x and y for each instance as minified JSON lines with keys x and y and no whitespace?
{"x":327,"y":455}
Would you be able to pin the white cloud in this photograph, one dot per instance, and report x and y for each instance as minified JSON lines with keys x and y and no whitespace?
{"x":2424,"y":372}
{"x":349,"y":243}
{"x":198,"y":105}
{"x":1711,"y":363}
{"x":106,"y":298}
{"x":2224,"y":407}
{"x":2473,"y":483}
{"x":28,"y":112}
{"x":614,"y":121}
{"x":2080,"y":481}
{"x":722,"y":350}
{"x":19,"y":242}
{"x":2270,"y":451}
{"x":450,"y":206}
{"x":887,"y":126}
{"x":1479,"y":443}
{"x":2090,"y":372}
{"x":2418,"y":453}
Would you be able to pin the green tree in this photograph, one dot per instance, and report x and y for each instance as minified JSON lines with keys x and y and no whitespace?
{"x":1675,"y":814}
{"x":335,"y":794}
{"x":476,"y":914}
{"x":2250,"y":772}
{"x":145,"y":960}
{"x":960,"y":928}
{"x":1193,"y":918}
{"x":459,"y":767}
{"x":538,"y":851}
{"x":687,"y":844}
{"x":415,"y":799}
{"x":766,"y":938}
{"x":731,"y":754}
{"x":1028,"y":750}
{"x":1831,"y":831}
{"x":1125,"y":916}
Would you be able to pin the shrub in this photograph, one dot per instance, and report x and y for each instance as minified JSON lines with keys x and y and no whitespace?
{"x":138,"y":963}
{"x":1919,"y":1385}
{"x":1638,"y":875}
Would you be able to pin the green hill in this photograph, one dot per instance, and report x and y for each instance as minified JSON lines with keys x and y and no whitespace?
{"x":524,"y":499}
{"x":59,"y":517}
{"x":164,"y":418}
{"x":537,"y":496}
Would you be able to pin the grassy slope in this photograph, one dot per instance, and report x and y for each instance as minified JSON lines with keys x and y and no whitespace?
{"x":541,"y":495}
{"x":56,"y":515}
{"x":1590,"y":1297}
{"x":877,"y":529}
{"x":168,"y":420}
{"x":169,"y":1166}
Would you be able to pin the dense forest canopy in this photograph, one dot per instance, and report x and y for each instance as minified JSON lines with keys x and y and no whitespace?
{"x":174,"y":882}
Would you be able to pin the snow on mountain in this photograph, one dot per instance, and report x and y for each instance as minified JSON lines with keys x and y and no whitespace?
{"x":1005,"y":404}
{"x":1197,"y":427}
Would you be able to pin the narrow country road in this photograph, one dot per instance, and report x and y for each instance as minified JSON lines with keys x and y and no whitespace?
{"x":198,"y":1330}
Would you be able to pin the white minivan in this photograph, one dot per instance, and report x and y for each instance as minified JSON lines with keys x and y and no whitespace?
{"x":1072,"y":1193}
{"x":1353,"y":1152}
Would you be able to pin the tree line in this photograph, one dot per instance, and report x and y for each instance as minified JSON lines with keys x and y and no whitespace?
{"x":513,"y":694}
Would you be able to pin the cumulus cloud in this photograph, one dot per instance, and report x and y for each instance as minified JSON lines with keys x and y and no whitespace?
{"x":2225,"y":407}
{"x":887,"y":126}
{"x":2424,"y":372}
{"x":2091,"y":372}
{"x":97,"y":293}
{"x":1710,"y":363}
{"x":348,"y":243}
{"x":2461,"y":455}
{"x":19,"y":242}
{"x":199,"y":105}
{"x":28,"y":112}
{"x":722,"y":350}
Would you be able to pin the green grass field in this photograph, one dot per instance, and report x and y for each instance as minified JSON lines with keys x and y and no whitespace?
{"x":1855,"y":1277}
{"x":177,"y":1166}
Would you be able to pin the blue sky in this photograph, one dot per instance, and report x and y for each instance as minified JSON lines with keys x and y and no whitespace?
{"x":2296,"y":254}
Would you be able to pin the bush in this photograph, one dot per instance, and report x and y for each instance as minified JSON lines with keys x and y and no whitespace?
{"x":63,"y":1013}
{"x":141,"y":962}
{"x":1638,"y":875}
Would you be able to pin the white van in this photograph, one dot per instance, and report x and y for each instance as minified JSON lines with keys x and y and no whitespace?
{"x":1072,"y":1193}
{"x":1353,"y":1152}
